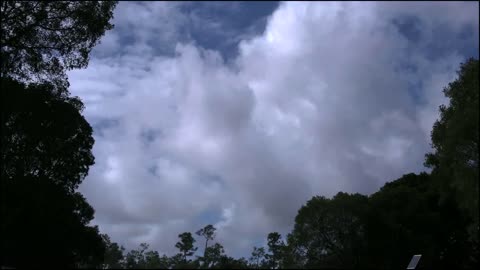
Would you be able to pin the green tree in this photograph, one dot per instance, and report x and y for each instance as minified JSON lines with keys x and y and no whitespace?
{"x":455,"y":143}
{"x":54,"y":224}
{"x":276,"y":247}
{"x":46,"y":152}
{"x":257,"y":259}
{"x":209,"y":233}
{"x":154,"y":261}
{"x":41,"y":40}
{"x":113,"y":258}
{"x":406,"y":218}
{"x":136,"y":258}
{"x":293,"y":253}
{"x":44,"y":135}
{"x":227,"y":262}
{"x":177,"y":262}
{"x":45,"y":141}
{"x":186,"y":245}
{"x":213,"y":255}
{"x":330,"y":232}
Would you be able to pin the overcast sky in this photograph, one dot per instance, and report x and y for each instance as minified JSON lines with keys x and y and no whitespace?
{"x":235,"y":114}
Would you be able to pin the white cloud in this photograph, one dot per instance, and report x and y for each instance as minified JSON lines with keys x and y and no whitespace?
{"x":317,"y":104}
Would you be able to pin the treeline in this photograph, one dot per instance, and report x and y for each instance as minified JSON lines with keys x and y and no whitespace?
{"x":349,"y":231}
{"x":46,"y":153}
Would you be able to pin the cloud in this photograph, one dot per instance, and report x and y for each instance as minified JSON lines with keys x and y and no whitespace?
{"x":329,"y":97}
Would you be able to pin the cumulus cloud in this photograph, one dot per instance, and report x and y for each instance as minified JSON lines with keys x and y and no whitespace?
{"x":330,"y":97}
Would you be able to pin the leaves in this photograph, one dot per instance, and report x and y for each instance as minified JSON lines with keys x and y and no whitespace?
{"x":331,"y":231}
{"x":46,"y":153}
{"x":455,"y":141}
{"x":186,"y":245}
{"x":40,"y":41}
{"x":44,"y":135}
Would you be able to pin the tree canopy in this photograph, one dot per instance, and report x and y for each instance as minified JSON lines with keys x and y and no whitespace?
{"x":186,"y":245}
{"x":46,"y":152}
{"x":455,"y":142}
{"x":46,"y":142}
{"x":44,"y":135}
{"x":41,"y":40}
{"x":330,"y":232}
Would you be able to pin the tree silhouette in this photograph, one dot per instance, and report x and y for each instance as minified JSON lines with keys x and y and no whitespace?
{"x":44,"y":135}
{"x":455,"y":142}
{"x":113,"y":257}
{"x":213,"y":256}
{"x":276,"y":248}
{"x":46,"y":152}
{"x":209,"y":233}
{"x":257,"y":259}
{"x":406,"y":217}
{"x":186,"y":245}
{"x":329,"y":232}
{"x":41,"y":40}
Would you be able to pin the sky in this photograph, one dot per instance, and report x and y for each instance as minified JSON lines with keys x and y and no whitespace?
{"x":236,"y":113}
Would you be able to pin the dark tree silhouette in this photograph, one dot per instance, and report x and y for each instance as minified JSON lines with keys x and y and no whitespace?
{"x":406,"y":218}
{"x":114,"y":254}
{"x":46,"y":152}
{"x":330,"y":232}
{"x":209,"y":233}
{"x":257,"y":259}
{"x":455,"y":141}
{"x":44,"y":135}
{"x":213,"y":256}
{"x":40,"y":40}
{"x":186,"y":245}
{"x":276,"y":247}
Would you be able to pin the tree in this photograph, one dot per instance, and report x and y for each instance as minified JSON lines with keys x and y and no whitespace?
{"x":46,"y":143}
{"x":113,"y":254}
{"x":294,"y":253}
{"x":276,"y":247}
{"x":213,"y":255}
{"x":136,"y":258}
{"x":406,"y":218}
{"x":177,"y":262}
{"x":455,"y":142}
{"x":142,"y":258}
{"x":154,"y":261}
{"x":330,"y":232}
{"x":227,"y":262}
{"x":38,"y":213}
{"x":209,"y":233}
{"x":186,"y":245}
{"x":41,"y":40}
{"x":257,"y":259}
{"x":46,"y":152}
{"x":44,"y":135}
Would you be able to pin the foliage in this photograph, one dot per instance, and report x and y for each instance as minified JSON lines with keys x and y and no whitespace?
{"x":276,"y":248}
{"x":455,"y":142}
{"x":406,"y":218}
{"x":114,"y":254}
{"x":212,"y":256}
{"x":44,"y":135}
{"x":209,"y":233}
{"x":46,"y":152}
{"x":257,"y":259}
{"x":41,"y":40}
{"x":330,"y":232}
{"x":186,"y":245}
